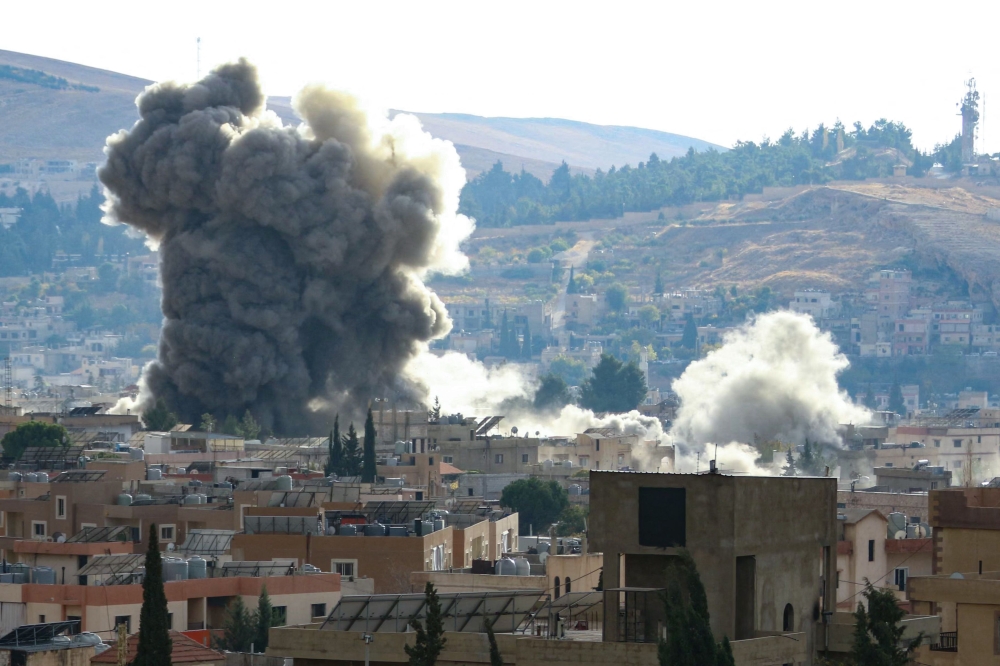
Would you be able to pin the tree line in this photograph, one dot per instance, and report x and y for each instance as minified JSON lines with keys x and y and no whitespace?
{"x":348,"y":457}
{"x":498,"y":198}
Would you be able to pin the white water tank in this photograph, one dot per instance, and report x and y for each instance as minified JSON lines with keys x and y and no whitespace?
{"x":43,"y":575}
{"x":575,"y":489}
{"x":197,"y":567}
{"x":154,"y":474}
{"x":30,"y":477}
{"x":42,"y":477}
{"x":348,"y":530}
{"x":136,"y":454}
{"x":174,"y":568}
{"x":505,"y":567}
{"x":193,"y":498}
{"x":284,"y":482}
{"x":124,"y":499}
{"x":142,"y":497}
{"x":14,"y":476}
{"x":522,"y":566}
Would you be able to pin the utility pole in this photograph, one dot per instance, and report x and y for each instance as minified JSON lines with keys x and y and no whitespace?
{"x":122,"y":644}
{"x":198,"y":59}
{"x":8,"y":384}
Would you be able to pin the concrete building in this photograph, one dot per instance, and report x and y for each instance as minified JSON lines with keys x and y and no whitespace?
{"x":816,"y":303}
{"x":889,"y":293}
{"x":762,"y":569}
{"x":910,"y":337}
{"x":595,"y":448}
{"x":183,"y":650}
{"x":920,"y":479}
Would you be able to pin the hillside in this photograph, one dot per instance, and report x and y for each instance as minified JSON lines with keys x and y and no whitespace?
{"x":71,"y":123}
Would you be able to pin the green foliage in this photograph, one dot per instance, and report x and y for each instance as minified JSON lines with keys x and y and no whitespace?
{"x":877,"y":631}
{"x":689,"y":338}
{"x":335,"y":450}
{"x":812,"y":462}
{"x":614,"y":387}
{"x":617,"y":297}
{"x":572,"y":371}
{"x":430,"y":640}
{"x":789,"y":468}
{"x":352,"y":453}
{"x":238,"y":629}
{"x":649,"y":315}
{"x":248,"y":428}
{"x":155,"y":646}
{"x":538,"y":503}
{"x":158,"y":418}
{"x":896,"y":402}
{"x":658,"y":285}
{"x":40,"y":78}
{"x":572,"y":520}
{"x":689,"y":640}
{"x":32,"y":433}
{"x":495,"y":658}
{"x":207,"y":423}
{"x":263,"y":620}
{"x":552,"y":393}
{"x":368,"y":468}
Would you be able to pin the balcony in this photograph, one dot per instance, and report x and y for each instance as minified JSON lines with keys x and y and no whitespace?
{"x":947,"y":643}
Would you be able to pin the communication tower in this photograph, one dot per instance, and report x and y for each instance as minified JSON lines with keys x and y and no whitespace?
{"x":969,"y":110}
{"x":8,"y":386}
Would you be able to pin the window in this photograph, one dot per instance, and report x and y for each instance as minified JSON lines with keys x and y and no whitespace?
{"x":788,"y":618}
{"x":556,"y":588}
{"x":167,"y":533}
{"x":937,"y":443}
{"x":900,"y":576}
{"x":41,"y":619}
{"x":597,"y":443}
{"x":344,"y":567}
{"x":280,"y":616}
{"x":957,"y":464}
{"x":662,"y":517}
{"x":584,"y":461}
{"x":430,"y":461}
{"x":498,"y":458}
{"x":61,"y":508}
{"x":524,"y":458}
{"x":318,"y":610}
{"x":73,"y":618}
{"x":126,"y":620}
{"x":170,"y":620}
{"x":39,"y":528}
{"x":448,"y":459}
{"x":958,"y":443}
{"x":871,"y":550}
{"x":621,"y":459}
{"x":569,"y":588}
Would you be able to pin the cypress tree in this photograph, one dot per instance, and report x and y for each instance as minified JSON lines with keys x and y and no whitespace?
{"x":526,"y":344}
{"x":689,"y":639}
{"x":368,"y":469}
{"x":430,"y":641}
{"x":658,"y":287}
{"x":571,"y":287}
{"x":496,"y":659}
{"x":265,"y":620}
{"x":352,"y":453}
{"x":504,"y":336}
{"x":239,"y":628}
{"x":336,"y":463}
{"x":155,"y":646}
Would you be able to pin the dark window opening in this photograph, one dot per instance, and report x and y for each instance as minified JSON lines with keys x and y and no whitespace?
{"x":788,"y":619}
{"x":556,"y":588}
{"x":662,"y":517}
{"x":871,"y":550}
{"x":569,"y":588}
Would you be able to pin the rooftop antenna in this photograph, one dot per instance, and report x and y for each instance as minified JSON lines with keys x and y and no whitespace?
{"x":198,"y":59}
{"x":8,"y":385}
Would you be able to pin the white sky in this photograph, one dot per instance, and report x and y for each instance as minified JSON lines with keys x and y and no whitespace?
{"x":719,"y":71}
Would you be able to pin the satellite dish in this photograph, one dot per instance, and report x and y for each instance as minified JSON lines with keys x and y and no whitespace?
{"x":513,"y":430}
{"x":171,"y":547}
{"x":901,"y":534}
{"x":59,"y":537}
{"x":957,"y":576}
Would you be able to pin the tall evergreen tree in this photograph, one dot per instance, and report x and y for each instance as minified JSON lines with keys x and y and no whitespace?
{"x":896,"y":402}
{"x":155,"y":646}
{"x":238,"y":629}
{"x":658,"y":287}
{"x":870,"y":399}
{"x":335,"y":462}
{"x":878,"y":634}
{"x":789,"y":469}
{"x":689,"y":338}
{"x":352,"y":453}
{"x":368,"y":469}
{"x":526,"y":343}
{"x":265,"y":620}
{"x":571,"y":288}
{"x":430,"y":641}
{"x":504,"y":335}
{"x":496,"y":659}
{"x":689,"y":640}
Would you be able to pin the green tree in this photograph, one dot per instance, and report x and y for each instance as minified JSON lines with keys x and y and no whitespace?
{"x":434,"y":414}
{"x":526,"y":343}
{"x":368,"y":468}
{"x":689,"y":640}
{"x":231,"y":426}
{"x":538,"y":503}
{"x":155,"y":646}
{"x":689,"y":338}
{"x":870,"y":398}
{"x":158,"y":418}
{"x":658,"y":286}
{"x":617,"y":297}
{"x":571,"y":286}
{"x":552,"y":393}
{"x":495,"y":658}
{"x":352,"y":453}
{"x":571,"y":370}
{"x":238,"y":629}
{"x":649,"y":315}
{"x":430,"y":640}
{"x":789,"y":468}
{"x":878,"y":635}
{"x":613,"y":387}
{"x":248,"y":428}
{"x":207,"y":422}
{"x":335,"y":450}
{"x":896,"y":402}
{"x":264,"y":620}
{"x":33,"y":433}
{"x":572,"y":521}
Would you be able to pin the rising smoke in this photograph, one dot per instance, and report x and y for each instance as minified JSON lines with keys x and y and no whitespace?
{"x":292,"y":259}
{"x":774,"y":379}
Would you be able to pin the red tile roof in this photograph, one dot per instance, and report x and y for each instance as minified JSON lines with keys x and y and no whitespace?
{"x":448,"y":468}
{"x":185,"y":651}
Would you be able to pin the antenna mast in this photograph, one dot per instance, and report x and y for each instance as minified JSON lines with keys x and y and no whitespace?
{"x":198,"y":59}
{"x":8,"y":383}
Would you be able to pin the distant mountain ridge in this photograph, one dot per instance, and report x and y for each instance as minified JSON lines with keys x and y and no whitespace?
{"x":45,"y":122}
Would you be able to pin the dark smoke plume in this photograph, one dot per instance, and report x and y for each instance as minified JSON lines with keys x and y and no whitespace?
{"x":291,"y":258}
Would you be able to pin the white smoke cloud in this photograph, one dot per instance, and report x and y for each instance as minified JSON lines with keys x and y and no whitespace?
{"x":775,"y":379}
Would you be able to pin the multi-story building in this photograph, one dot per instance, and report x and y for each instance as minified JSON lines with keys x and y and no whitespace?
{"x":889,"y":293}
{"x":695,"y":302}
{"x":986,"y":337}
{"x":816,"y":303}
{"x":952,"y":324}
{"x":910,"y":337}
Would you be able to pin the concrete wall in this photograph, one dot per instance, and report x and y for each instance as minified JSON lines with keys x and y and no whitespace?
{"x":467,"y":582}
{"x":471,"y":543}
{"x":911,"y":504}
{"x":583,"y":571}
{"x":77,"y":656}
{"x":497,"y":528}
{"x":853,"y":568}
{"x":784,"y":524}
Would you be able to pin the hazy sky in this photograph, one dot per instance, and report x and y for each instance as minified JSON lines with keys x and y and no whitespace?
{"x":719,"y":71}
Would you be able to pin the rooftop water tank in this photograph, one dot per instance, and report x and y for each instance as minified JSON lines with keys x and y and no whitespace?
{"x":438,"y":524}
{"x":221,"y":484}
{"x":193,"y":498}
{"x":21,"y":572}
{"x":143,"y":497}
{"x":30,"y":477}
{"x":398,"y":530}
{"x":86,"y":638}
{"x":374,"y":529}
{"x":194,"y":483}
{"x":391,"y":462}
{"x":202,"y":498}
{"x":197,"y":567}
{"x":896,"y":524}
{"x":43,"y":575}
{"x":542,"y":547}
{"x":348,"y":530}
{"x":136,"y":454}
{"x":42,"y":477}
{"x":311,"y":569}
{"x":522,"y":566}
{"x":279,"y":471}
{"x":174,"y":568}
{"x":505,"y":567}
{"x":6,"y":578}
{"x":60,"y":641}
{"x":154,"y":474}
{"x":14,"y":476}
{"x":575,"y":489}
{"x":124,"y":499}
{"x":284,"y":482}
{"x":547,"y":464}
